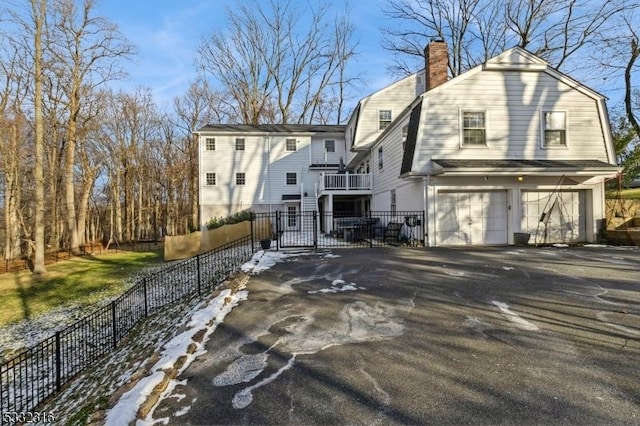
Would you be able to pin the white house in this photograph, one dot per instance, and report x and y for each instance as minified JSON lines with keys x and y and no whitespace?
{"x":511,"y":146}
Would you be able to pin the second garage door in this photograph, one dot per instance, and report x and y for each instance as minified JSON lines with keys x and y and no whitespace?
{"x":471,"y":218}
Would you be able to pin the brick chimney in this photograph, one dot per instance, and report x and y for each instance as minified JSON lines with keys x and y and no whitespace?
{"x":436,"y":63}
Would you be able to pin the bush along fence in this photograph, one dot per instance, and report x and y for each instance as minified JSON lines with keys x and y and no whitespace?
{"x":40,"y":371}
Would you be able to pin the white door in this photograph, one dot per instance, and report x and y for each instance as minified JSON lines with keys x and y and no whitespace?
{"x":471,"y":218}
{"x":553,"y":217}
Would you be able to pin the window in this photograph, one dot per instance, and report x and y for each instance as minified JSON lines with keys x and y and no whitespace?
{"x":393,"y":202}
{"x":291,"y":144}
{"x":292,"y":178}
{"x":405,"y":131}
{"x":380,"y":160}
{"x":330,"y":146}
{"x":474,"y":128}
{"x":555,"y":129}
{"x":211,"y":178}
{"x":384,"y":118}
{"x":292,"y":216}
{"x":210,"y":144}
{"x":239,"y":144}
{"x":240,"y":179}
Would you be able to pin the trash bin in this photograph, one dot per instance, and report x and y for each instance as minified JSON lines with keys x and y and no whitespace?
{"x":521,"y":238}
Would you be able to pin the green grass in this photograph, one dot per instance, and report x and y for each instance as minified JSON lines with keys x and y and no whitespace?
{"x":84,"y":280}
{"x":630,"y":193}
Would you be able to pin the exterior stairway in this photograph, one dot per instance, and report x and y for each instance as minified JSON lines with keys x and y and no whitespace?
{"x":309,"y":204}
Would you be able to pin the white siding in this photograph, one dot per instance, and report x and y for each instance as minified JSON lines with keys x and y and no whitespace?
{"x":513,"y":102}
{"x":225,"y":162}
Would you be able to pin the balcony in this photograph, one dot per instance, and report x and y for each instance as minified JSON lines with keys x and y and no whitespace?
{"x":345,"y":182}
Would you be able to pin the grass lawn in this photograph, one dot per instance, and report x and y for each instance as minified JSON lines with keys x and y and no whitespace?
{"x":83,"y":280}
{"x":625,"y":194}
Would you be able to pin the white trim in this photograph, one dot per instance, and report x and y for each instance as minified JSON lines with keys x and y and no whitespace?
{"x":287,"y":184}
{"x":390,"y":120}
{"x":461,"y":112}
{"x":542,"y":112}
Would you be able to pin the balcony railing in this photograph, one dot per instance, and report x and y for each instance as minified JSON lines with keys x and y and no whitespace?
{"x":345,"y":182}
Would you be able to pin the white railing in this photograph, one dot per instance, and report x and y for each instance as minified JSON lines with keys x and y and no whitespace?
{"x":344,"y":182}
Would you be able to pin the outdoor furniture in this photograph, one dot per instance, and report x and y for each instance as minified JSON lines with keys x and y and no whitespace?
{"x":392,"y":232}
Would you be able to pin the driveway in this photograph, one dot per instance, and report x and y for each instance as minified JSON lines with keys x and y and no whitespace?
{"x":406,"y":336}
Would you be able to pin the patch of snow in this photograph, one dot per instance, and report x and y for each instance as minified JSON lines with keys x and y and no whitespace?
{"x":508,"y":268}
{"x":515,"y":318}
{"x":127,"y":407}
{"x":335,"y":289}
{"x":560,"y":245}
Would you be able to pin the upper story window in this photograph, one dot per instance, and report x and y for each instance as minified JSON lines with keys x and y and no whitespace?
{"x":380,"y":159}
{"x":555,"y":129}
{"x":384,"y":118}
{"x":474,"y":128}
{"x":291,"y":144}
{"x":405,"y":131}
{"x":240,"y":179}
{"x":210,"y":144}
{"x":330,"y":146}
{"x":292,"y":178}
{"x":211,"y":178}
{"x":239,"y":144}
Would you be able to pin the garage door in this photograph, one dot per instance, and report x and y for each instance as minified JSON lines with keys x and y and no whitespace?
{"x":554,"y":217}
{"x":465,"y":218}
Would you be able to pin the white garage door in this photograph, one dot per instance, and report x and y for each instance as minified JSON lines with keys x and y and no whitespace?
{"x":554,"y":217}
{"x":465,"y":218}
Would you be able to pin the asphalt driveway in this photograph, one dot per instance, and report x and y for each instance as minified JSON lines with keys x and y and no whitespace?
{"x":443,"y":336}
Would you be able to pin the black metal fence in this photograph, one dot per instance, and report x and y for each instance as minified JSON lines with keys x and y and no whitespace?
{"x":361,"y":229}
{"x":42,"y":370}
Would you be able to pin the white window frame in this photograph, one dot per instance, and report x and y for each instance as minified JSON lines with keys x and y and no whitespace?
{"x":211,"y":147}
{"x":241,"y":144}
{"x":486,"y":128}
{"x":326,"y":147}
{"x":206,"y":178}
{"x":380,"y":158}
{"x":387,"y":122}
{"x":241,"y":176}
{"x":292,"y":216}
{"x":543,"y":129}
{"x":286,"y":178}
{"x":287,"y":146}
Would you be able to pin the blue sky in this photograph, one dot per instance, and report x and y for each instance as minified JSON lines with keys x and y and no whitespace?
{"x":167,"y":33}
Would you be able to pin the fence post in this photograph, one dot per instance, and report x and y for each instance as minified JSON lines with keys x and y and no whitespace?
{"x":58,"y":363}
{"x":253,"y":237}
{"x":424,"y":228}
{"x":146,"y":303}
{"x":278,"y":230}
{"x":115,"y":327}
{"x":198,"y":269}
{"x":315,"y":230}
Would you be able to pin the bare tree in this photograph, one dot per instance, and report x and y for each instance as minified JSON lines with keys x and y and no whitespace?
{"x":85,"y":54}
{"x":275,"y":56}
{"x":556,"y":30}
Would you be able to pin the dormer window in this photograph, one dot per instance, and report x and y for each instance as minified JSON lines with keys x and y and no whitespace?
{"x":474,"y":128}
{"x":555,"y":129}
{"x":384,"y":118}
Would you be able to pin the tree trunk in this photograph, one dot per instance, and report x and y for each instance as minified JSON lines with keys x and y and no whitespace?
{"x":39,"y":10}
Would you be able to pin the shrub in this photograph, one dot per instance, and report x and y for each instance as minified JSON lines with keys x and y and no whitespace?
{"x":217,"y":222}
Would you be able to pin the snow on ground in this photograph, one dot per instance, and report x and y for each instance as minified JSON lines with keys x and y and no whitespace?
{"x":337,"y":286}
{"x":127,"y":407}
{"x":27,"y":333}
{"x":515,"y":318}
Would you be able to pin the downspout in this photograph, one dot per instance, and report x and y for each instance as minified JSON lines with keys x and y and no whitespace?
{"x":426,"y":180}
{"x":269,"y":171}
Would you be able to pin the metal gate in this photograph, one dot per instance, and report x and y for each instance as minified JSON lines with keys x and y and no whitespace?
{"x":297,"y":229}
